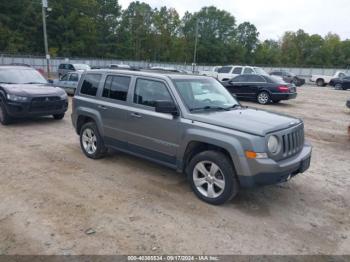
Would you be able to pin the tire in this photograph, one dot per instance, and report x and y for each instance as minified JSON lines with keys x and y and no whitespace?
{"x":320,"y":82}
{"x":223,"y":182}
{"x":5,"y":119}
{"x":58,"y":116}
{"x":91,"y":141}
{"x":338,"y":86}
{"x":263,"y":98}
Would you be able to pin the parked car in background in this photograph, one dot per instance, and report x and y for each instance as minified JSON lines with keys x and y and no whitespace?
{"x":165,"y":118}
{"x":69,"y":82}
{"x":119,"y":66}
{"x":24,"y":92}
{"x":340,"y":83}
{"x":226,"y":73}
{"x":168,"y":69}
{"x":261,"y":88}
{"x":323,"y":80}
{"x":66,"y":67}
{"x":289,"y":77}
{"x":213,"y":72}
{"x":348,"y":103}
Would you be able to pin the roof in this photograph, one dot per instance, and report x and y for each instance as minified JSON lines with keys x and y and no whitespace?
{"x":148,"y":73}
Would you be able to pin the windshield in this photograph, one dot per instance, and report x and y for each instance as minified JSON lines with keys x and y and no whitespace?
{"x":81,"y":67}
{"x":260,"y":71}
{"x":203,"y":94}
{"x":21,"y":76}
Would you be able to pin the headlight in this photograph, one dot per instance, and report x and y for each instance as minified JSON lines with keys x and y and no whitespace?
{"x":273,"y":145}
{"x":63,"y":96}
{"x":17,"y":98}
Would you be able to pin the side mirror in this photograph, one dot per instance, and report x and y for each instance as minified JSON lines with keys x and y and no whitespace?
{"x":167,"y":107}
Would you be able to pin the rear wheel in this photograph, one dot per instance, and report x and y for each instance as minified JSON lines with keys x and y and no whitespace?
{"x":4,"y":117}
{"x":320,"y":82}
{"x":91,"y":141}
{"x":212,"y":177}
{"x":263,"y":98}
{"x":58,"y":116}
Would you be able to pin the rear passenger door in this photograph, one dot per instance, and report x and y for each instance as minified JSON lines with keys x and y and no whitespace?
{"x":253,"y":84}
{"x":113,"y":109}
{"x":152,"y":134}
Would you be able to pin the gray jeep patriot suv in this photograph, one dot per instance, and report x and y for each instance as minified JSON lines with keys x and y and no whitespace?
{"x":191,"y":124}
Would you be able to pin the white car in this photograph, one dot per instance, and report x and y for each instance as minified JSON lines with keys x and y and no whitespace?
{"x":226,"y":73}
{"x":213,"y":72}
{"x":322,"y":80}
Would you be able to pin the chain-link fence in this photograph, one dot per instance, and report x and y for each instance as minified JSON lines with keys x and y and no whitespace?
{"x":40,"y":63}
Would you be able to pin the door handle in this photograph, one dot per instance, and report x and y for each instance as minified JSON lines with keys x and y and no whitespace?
{"x":102,"y":107}
{"x":137,"y":115}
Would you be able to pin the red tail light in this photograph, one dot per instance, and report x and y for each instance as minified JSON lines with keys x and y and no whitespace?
{"x":283,"y":89}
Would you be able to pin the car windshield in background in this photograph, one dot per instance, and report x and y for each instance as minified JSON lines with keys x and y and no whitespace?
{"x":260,"y":71}
{"x":81,"y":67}
{"x":21,"y":76}
{"x":205,"y":94}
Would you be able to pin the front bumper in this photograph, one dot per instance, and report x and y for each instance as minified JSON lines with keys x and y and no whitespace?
{"x":283,"y":96}
{"x":268,"y":172}
{"x":28,"y":109}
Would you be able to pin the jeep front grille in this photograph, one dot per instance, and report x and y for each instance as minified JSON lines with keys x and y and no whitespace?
{"x":293,"y":142}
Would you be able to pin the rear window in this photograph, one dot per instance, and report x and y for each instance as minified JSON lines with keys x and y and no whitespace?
{"x":116,"y":87}
{"x":90,"y":84}
{"x":225,"y":69}
{"x":237,"y":71}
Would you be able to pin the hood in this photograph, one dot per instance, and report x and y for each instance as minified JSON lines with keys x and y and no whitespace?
{"x":249,"y":120}
{"x":31,"y":90}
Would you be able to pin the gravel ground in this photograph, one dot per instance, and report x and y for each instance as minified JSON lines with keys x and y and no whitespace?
{"x":56,"y":201}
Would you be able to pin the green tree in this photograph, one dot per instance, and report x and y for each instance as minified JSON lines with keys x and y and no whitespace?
{"x":247,"y":36}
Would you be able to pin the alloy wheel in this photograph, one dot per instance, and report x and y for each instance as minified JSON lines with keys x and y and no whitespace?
{"x":263,"y":98}
{"x":89,"y":140}
{"x":208,"y":179}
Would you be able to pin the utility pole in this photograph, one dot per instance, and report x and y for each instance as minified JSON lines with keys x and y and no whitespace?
{"x":45,"y":5}
{"x":195,"y":48}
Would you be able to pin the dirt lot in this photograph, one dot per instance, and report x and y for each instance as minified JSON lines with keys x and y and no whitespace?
{"x":51,"y":195}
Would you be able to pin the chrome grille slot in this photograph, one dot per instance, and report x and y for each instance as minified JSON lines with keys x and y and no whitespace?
{"x":292,"y":142}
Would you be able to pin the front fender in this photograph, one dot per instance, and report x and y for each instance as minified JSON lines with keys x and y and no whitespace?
{"x":228,"y":142}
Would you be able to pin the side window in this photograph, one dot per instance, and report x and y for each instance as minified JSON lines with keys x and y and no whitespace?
{"x":90,"y":84}
{"x":237,"y":70}
{"x":116,"y":87}
{"x":238,"y":79}
{"x":74,"y":78}
{"x":225,"y":69}
{"x":61,"y":66}
{"x":71,"y":67}
{"x":255,"y":79}
{"x":147,"y":92}
{"x":276,"y":73}
{"x":64,"y":78}
{"x":248,"y":71}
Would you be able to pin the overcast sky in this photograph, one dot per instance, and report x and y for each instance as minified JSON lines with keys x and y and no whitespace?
{"x":274,"y":17}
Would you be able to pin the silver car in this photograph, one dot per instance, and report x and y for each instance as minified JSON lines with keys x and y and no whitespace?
{"x":67,"y":67}
{"x":69,"y":82}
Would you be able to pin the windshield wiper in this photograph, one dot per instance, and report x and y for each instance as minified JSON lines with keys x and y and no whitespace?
{"x":209,"y":108}
{"x":233,"y":106}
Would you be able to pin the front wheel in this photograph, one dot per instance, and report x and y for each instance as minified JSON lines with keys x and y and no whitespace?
{"x":320,"y":82}
{"x":263,"y":98}
{"x":212,"y":177}
{"x":4,"y":117}
{"x":91,"y":141}
{"x":58,"y":116}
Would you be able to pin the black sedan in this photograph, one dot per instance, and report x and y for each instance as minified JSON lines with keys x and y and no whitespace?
{"x":341,"y":83}
{"x":289,"y":77}
{"x":261,"y":88}
{"x":24,"y":92}
{"x":348,"y":103}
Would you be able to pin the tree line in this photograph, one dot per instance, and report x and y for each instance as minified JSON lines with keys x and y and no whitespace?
{"x":101,"y":28}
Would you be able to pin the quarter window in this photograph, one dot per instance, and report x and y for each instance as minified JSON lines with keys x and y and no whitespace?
{"x":248,"y":70}
{"x":90,"y":84}
{"x":116,"y":87}
{"x":237,"y":70}
{"x":74,"y":78}
{"x":147,"y":92}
